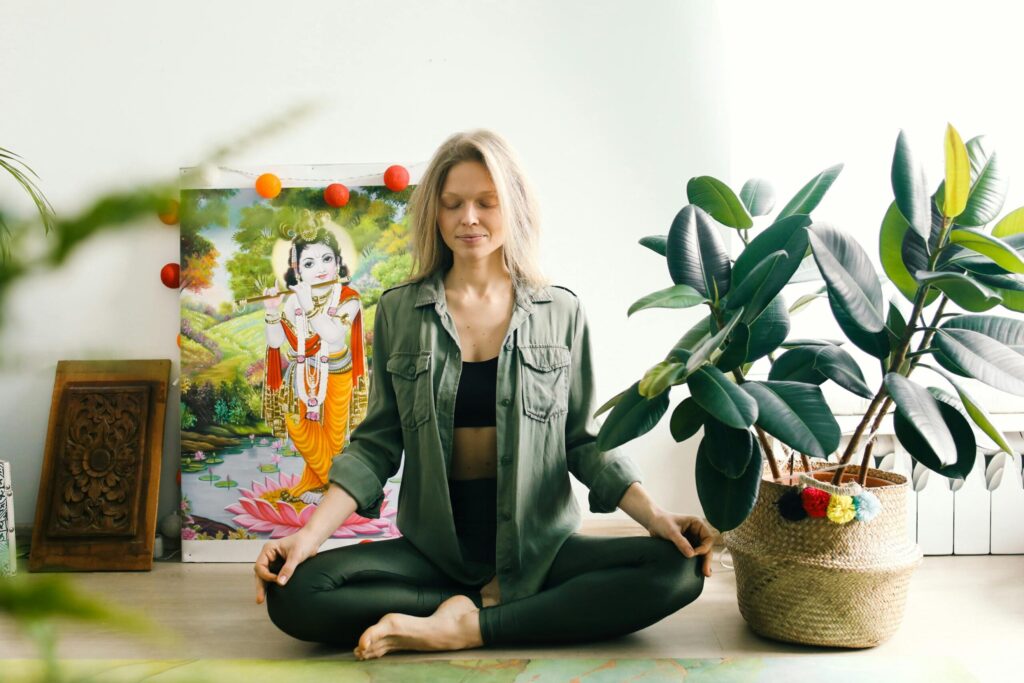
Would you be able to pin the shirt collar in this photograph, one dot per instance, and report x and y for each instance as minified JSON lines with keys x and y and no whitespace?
{"x":431,"y":291}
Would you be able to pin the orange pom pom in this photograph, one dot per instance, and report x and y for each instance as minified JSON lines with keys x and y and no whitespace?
{"x":169,"y":212}
{"x":268,"y":186}
{"x":396,"y":178}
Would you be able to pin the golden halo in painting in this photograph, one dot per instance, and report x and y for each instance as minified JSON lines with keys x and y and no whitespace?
{"x":282,"y":250}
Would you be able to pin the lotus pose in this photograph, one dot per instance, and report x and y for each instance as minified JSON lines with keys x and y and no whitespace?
{"x":484,"y":379}
{"x":321,"y":331}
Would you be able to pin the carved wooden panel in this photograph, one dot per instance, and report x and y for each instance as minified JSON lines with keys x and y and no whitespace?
{"x":98,"y":491}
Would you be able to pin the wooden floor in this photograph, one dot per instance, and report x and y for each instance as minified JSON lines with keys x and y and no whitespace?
{"x":970,"y":608}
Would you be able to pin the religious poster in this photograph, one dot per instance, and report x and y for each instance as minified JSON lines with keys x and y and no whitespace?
{"x":279,"y":290}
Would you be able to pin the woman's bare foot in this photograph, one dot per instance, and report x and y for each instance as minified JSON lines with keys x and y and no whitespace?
{"x":455,"y":625}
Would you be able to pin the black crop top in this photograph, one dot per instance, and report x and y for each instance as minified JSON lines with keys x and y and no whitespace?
{"x":475,"y":399}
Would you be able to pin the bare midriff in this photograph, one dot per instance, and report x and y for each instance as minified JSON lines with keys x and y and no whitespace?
{"x":474,"y":453}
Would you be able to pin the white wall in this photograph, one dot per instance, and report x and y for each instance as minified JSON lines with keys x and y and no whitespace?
{"x":611,"y":105}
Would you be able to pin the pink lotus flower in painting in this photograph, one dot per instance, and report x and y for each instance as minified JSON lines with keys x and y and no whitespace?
{"x":276,"y":459}
{"x":260,"y":509}
{"x":200,"y":456}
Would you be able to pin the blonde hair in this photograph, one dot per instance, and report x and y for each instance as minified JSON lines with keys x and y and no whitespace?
{"x":519,"y":210}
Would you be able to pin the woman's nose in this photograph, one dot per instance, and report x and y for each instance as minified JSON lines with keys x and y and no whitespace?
{"x":469,"y":216}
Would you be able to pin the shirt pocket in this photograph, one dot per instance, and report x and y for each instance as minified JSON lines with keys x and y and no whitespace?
{"x":411,"y":381}
{"x":545,"y":381}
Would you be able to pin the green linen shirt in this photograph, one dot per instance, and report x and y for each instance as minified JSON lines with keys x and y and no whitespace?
{"x":545,"y":430}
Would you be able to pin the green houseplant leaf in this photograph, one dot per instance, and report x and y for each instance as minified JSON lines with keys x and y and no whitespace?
{"x":729,"y":450}
{"x":719,"y":200}
{"x":849,"y":276}
{"x":687,"y":418}
{"x":910,"y":187}
{"x":998,"y":250}
{"x":975,"y":410}
{"x":655,"y":243}
{"x":815,"y":364}
{"x":661,"y":377}
{"x":760,"y":285}
{"x":921,"y":411}
{"x":890,"y":250}
{"x":721,"y":398}
{"x":953,"y":422}
{"x":988,"y":193}
{"x":797,"y":415}
{"x":696,"y":254}
{"x":709,"y":345}
{"x":958,"y":174}
{"x":983,"y":358}
{"x":1010,"y":224}
{"x":758,"y":196}
{"x":726,"y":501}
{"x":631,"y":417}
{"x":676,"y":296}
{"x":811,"y":194}
{"x":768,"y":330}
{"x":966,"y":292}
{"x":878,"y":344}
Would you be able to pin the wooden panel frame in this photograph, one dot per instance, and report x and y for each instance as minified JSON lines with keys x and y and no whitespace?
{"x":99,"y":487}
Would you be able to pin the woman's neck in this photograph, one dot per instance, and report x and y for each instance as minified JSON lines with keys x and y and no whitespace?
{"x":479,"y":279}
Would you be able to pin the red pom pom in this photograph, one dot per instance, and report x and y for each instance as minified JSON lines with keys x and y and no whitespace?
{"x":170,"y":275}
{"x":336,"y":195}
{"x":815,"y":501}
{"x":396,"y":178}
{"x":268,"y":186}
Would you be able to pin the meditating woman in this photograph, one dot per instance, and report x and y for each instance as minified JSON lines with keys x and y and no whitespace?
{"x":320,"y":328}
{"x":483,"y":377}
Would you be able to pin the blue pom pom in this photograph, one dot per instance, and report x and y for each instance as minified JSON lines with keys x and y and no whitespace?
{"x":868,"y":506}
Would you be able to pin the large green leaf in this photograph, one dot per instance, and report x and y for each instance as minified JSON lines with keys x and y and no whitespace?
{"x":957,"y":258}
{"x":983,"y":358}
{"x":687,"y":418}
{"x":1013,"y":301}
{"x":849,"y":276}
{"x":890,"y":250}
{"x":959,"y":431}
{"x":811,"y":194}
{"x":661,"y":377}
{"x":1000,"y":251}
{"x":709,"y":345}
{"x":610,"y":403}
{"x":768,"y":330}
{"x":726,"y":502}
{"x":988,"y":193}
{"x":998,"y":283}
{"x":713,"y":391}
{"x":676,"y":296}
{"x":965,"y":292}
{"x":921,"y":410}
{"x":877,"y":344}
{"x":735,"y":353}
{"x":815,"y":364}
{"x":760,"y":285}
{"x":910,"y":188}
{"x":729,"y":450}
{"x":1008,"y":331}
{"x":631,"y":417}
{"x":797,"y":415}
{"x":696,"y":254}
{"x":715,"y":197}
{"x":976,"y":411}
{"x":655,"y":243}
{"x":806,"y":300}
{"x":693,"y":338}
{"x":1010,"y":224}
{"x":789,"y":234}
{"x":758,"y":196}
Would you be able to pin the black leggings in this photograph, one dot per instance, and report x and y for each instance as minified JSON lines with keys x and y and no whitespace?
{"x":597,"y":587}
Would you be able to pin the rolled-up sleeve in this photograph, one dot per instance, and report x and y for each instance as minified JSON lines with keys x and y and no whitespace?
{"x":374,"y":451}
{"x":606,"y":473}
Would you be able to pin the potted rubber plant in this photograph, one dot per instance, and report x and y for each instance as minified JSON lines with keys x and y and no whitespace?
{"x":823,"y":557}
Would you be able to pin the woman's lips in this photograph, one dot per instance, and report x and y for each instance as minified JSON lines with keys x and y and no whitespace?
{"x":471,"y":239}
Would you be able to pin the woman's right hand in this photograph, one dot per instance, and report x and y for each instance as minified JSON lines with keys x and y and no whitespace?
{"x":293,"y":549}
{"x":272,"y":304}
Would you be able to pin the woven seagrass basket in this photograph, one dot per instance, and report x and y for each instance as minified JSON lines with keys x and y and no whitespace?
{"x":820,"y":583}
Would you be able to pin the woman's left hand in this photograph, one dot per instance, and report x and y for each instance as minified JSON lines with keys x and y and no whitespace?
{"x":690,"y":534}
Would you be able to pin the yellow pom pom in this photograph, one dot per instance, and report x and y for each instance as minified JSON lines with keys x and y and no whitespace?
{"x":841,"y":509}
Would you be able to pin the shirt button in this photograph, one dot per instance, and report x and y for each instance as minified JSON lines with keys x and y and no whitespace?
{"x":412,"y":368}
{"x":506,"y":402}
{"x":508,"y":346}
{"x":505,"y":516}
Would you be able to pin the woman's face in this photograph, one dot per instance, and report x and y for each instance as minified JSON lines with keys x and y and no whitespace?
{"x":317,"y":263}
{"x":468,"y":214}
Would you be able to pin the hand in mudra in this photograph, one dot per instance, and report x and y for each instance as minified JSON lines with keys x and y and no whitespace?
{"x":690,"y":534}
{"x":304,"y":295}
{"x":274,"y":303}
{"x":293,"y":550}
